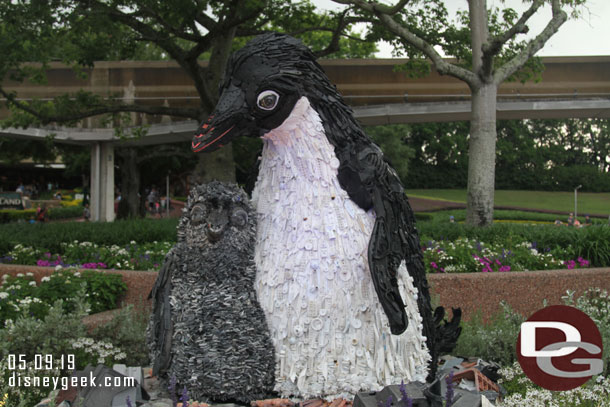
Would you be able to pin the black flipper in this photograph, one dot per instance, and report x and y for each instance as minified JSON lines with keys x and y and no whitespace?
{"x":160,"y":334}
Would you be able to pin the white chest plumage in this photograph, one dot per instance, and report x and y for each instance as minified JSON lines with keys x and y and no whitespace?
{"x":313,"y":281}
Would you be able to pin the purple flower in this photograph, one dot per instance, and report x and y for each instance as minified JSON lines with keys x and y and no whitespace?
{"x":47,"y":255}
{"x":184,"y":398}
{"x":433,"y":265}
{"x":450,"y":390}
{"x":172,"y":390}
{"x":407,"y":401}
{"x":505,"y":268}
{"x":43,"y":263}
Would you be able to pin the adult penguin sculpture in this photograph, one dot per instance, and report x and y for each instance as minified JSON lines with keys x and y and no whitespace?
{"x":335,"y":231}
{"x":207,"y":329}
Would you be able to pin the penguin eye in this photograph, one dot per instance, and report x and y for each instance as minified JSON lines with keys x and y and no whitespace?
{"x":197,"y":214}
{"x":239,"y":217}
{"x":267,"y":100}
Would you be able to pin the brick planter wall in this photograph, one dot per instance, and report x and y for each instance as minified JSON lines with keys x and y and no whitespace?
{"x":473,"y":292}
{"x":524,"y":291}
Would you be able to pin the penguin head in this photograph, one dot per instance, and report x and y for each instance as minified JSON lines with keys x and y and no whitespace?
{"x":217,"y":215}
{"x":263,"y":82}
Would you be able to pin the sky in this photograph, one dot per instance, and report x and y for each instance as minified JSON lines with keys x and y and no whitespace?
{"x":587,"y":35}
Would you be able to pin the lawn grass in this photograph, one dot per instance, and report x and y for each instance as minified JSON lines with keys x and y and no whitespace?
{"x":588,"y":202}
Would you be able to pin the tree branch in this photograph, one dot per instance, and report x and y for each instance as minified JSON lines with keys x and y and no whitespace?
{"x":509,"y":68}
{"x":178,"y":33}
{"x":494,"y":46}
{"x":379,"y":8}
{"x":206,"y":21}
{"x":333,"y":45}
{"x":443,"y":67}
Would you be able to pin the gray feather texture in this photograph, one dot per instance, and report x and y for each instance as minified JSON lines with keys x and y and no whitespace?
{"x":206,"y":327}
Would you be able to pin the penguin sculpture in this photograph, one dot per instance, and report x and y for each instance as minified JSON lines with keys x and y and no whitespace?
{"x":340,"y":275}
{"x":207,"y":329}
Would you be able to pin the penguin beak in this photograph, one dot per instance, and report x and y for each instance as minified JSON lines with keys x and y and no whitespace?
{"x":230,"y":119}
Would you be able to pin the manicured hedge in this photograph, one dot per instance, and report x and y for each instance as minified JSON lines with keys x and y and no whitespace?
{"x":16,"y":215}
{"x":51,"y":235}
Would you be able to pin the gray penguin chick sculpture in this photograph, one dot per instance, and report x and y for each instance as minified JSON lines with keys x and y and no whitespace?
{"x":207,"y":329}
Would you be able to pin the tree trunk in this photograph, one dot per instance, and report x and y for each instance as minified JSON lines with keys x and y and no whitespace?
{"x":482,"y":156}
{"x":218,"y":165}
{"x":130,"y":183}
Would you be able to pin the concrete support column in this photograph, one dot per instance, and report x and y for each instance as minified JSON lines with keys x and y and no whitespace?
{"x":102,"y":182}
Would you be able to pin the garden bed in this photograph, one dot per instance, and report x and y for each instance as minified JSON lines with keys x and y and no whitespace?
{"x":524,"y":291}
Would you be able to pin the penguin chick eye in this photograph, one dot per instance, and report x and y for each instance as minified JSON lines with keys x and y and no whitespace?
{"x":239,"y":218}
{"x":197,"y":214}
{"x":267,"y":100}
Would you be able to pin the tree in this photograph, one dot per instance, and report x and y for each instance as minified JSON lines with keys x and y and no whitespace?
{"x":484,"y":42}
{"x":80,"y":32}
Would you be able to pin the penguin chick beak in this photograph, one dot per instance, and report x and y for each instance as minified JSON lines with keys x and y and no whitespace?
{"x":230,"y":119}
{"x":217,"y":223}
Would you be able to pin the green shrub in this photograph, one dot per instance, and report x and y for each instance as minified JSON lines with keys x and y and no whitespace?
{"x":52,"y":235}
{"x":14,"y":215}
{"x":494,"y":341}
{"x":21,"y":293}
{"x":127,"y":330}
{"x":65,"y":212}
{"x":59,"y":333}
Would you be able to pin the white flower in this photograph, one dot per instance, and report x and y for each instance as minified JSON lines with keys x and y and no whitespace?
{"x":77,"y":274}
{"x":100,"y":360}
{"x":29,"y":274}
{"x":3,"y":295}
{"x":19,"y":274}
{"x":58,"y":267}
{"x":32,"y":283}
{"x":120,"y":356}
{"x":45,"y":278}
{"x":4,"y":276}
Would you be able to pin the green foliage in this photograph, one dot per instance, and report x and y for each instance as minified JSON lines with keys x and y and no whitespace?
{"x":52,"y":235}
{"x":14,"y":215}
{"x":21,"y":294}
{"x":493,"y":341}
{"x":53,"y":334}
{"x":596,"y":304}
{"x":87,"y":255}
{"x":591,"y":243}
{"x":66,"y":212}
{"x":103,"y":289}
{"x":127,"y":330}
{"x":521,"y":391}
{"x":59,"y":333}
{"x":512,"y":254}
{"x":391,"y":139}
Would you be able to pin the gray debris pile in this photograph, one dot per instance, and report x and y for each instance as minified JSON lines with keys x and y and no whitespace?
{"x":207,"y":329}
{"x":467,"y":383}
